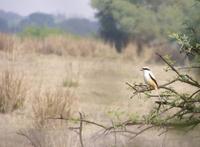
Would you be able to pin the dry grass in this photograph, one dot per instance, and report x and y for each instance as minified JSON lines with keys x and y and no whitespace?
{"x":72,"y":77}
{"x":6,"y":42}
{"x":130,"y":54}
{"x":47,"y":138}
{"x":52,"y":103}
{"x":97,"y":76}
{"x":12,"y":91}
{"x":68,"y":46}
{"x":61,"y":45}
{"x":148,"y":55}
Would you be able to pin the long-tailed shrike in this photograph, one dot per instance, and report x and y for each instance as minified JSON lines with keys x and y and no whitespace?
{"x":149,"y":78}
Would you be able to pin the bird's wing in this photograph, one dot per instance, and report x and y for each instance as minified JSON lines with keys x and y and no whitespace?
{"x":152,"y":75}
{"x":153,"y":78}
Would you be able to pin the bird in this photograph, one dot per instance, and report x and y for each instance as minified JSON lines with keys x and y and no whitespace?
{"x":149,"y":78}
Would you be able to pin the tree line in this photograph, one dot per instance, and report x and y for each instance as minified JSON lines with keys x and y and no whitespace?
{"x":141,"y":21}
{"x":14,"y":23}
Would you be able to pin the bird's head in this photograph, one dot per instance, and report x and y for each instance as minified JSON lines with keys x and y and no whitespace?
{"x":145,"y":68}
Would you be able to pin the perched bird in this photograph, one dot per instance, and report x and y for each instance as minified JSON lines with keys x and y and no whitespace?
{"x":149,"y":78}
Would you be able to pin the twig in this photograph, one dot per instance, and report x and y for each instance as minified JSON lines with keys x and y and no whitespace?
{"x":115,"y":135}
{"x":163,"y":132}
{"x":188,"y":67}
{"x":83,"y":120}
{"x":171,"y":66}
{"x":28,"y":138}
{"x":80,"y":129}
{"x":140,"y":132}
{"x":169,"y":83}
{"x":124,"y":131}
{"x":194,"y":93}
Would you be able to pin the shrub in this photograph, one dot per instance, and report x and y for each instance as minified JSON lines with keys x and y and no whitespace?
{"x":12,"y":91}
{"x":72,"y":76}
{"x":39,"y":32}
{"x":52,"y":103}
{"x":6,"y":42}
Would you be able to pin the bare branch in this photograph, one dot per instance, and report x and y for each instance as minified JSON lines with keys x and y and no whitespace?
{"x":80,"y":130}
{"x":188,"y":67}
{"x":142,"y":131}
{"x":83,"y":120}
{"x":21,"y":133}
{"x":171,"y":66}
{"x":194,"y":93}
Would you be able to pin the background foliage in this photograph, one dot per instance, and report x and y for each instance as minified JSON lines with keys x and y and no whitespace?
{"x":142,"y":21}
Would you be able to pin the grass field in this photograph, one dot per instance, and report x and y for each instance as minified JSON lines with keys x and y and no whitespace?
{"x":63,"y":75}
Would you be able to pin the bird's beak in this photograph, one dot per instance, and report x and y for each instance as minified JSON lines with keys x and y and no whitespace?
{"x":141,"y":69}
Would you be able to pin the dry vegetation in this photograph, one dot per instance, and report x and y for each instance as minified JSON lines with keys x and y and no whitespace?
{"x":6,"y":42}
{"x":59,"y":45}
{"x":72,"y":46}
{"x":12,"y":91}
{"x":64,"y":75}
{"x":52,"y":103}
{"x":72,"y":76}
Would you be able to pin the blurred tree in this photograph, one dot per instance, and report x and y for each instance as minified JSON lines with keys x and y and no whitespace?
{"x":79,"y":26}
{"x":39,"y":32}
{"x":38,"y":19}
{"x":110,"y":30}
{"x":141,"y":21}
{"x":135,"y":20}
{"x":11,"y":18}
{"x":3,"y":25}
{"x":189,"y":37}
{"x":192,"y":30}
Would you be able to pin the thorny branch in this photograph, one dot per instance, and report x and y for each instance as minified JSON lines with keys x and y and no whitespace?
{"x":113,"y":128}
{"x":187,"y":106}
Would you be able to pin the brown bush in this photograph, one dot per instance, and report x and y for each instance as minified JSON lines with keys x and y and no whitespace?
{"x":52,"y":103}
{"x":12,"y":91}
{"x":72,"y":77}
{"x":67,"y":45}
{"x":6,"y":42}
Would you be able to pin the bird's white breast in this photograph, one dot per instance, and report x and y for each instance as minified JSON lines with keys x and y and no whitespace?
{"x":146,"y":76}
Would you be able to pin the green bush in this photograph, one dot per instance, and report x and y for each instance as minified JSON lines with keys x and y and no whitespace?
{"x":189,"y":37}
{"x":40,"y":32}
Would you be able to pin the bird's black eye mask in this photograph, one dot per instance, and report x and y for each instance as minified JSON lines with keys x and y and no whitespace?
{"x":145,"y":68}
